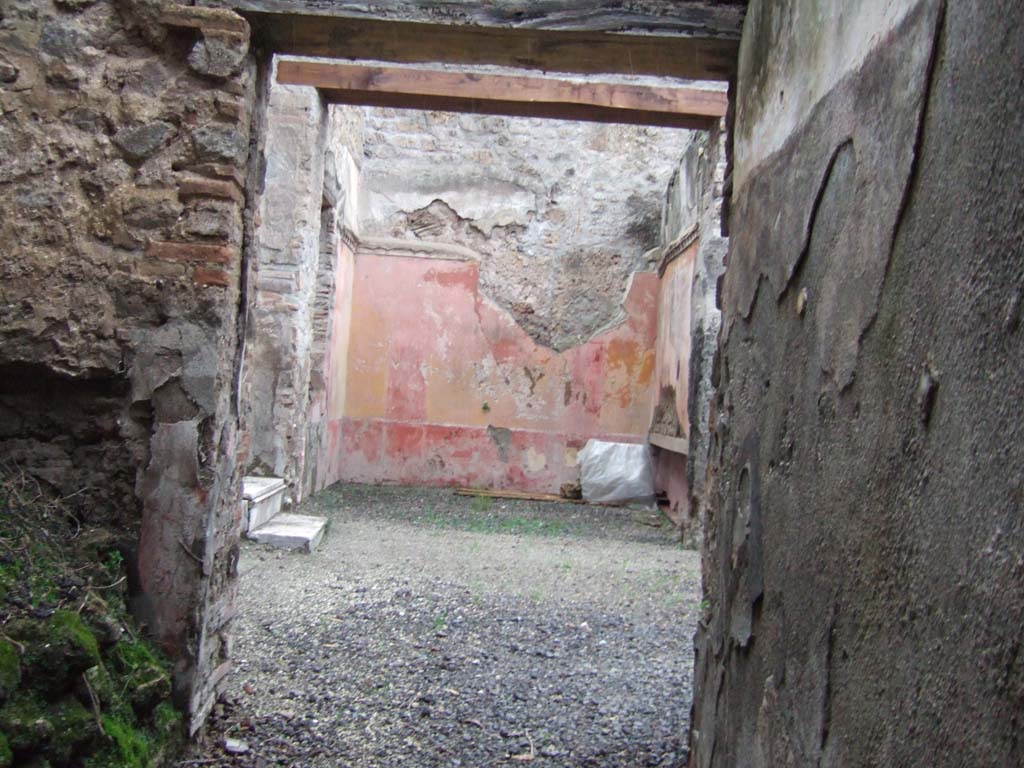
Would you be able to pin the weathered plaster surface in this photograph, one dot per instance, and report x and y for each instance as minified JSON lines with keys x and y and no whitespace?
{"x":796,"y":53}
{"x":328,"y":384}
{"x":670,"y":479}
{"x":706,"y":173}
{"x":864,"y":543}
{"x":285,"y":265}
{"x":673,"y":345}
{"x":561,"y":213}
{"x":445,"y":388}
{"x":672,"y":373}
{"x":692,"y":261}
{"x":332,"y":303}
{"x":297,"y":317}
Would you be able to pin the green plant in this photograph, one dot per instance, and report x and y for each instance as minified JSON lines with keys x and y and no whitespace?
{"x":129,"y":747}
{"x":63,"y":670}
{"x":481,"y":504}
{"x":113,"y":562}
{"x":432,"y":517}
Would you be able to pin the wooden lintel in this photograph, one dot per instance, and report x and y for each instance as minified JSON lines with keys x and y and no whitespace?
{"x":406,"y":87}
{"x":686,"y":18}
{"x":566,"y":51}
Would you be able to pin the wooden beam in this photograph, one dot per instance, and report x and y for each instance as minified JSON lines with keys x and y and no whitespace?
{"x":691,"y":18}
{"x":680,"y":107}
{"x":551,"y":50}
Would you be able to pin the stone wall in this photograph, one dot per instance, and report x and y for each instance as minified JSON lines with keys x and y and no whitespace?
{"x":328,"y":382}
{"x":307,"y":200}
{"x":864,"y":542}
{"x":707,"y":174}
{"x":562,"y":213}
{"x":286,"y":257}
{"x":332,"y":303}
{"x":670,"y":418}
{"x":125,"y":131}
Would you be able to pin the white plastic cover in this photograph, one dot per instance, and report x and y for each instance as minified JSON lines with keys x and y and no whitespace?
{"x":616,"y":472}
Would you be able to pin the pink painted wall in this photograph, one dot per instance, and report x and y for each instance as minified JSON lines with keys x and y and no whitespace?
{"x":673,"y":345}
{"x":443,"y":387}
{"x":672,"y":369}
{"x":670,"y":479}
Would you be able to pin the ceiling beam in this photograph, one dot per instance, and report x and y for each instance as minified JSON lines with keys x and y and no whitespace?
{"x":688,"y":18}
{"x":671,"y":44}
{"x":406,"y":87}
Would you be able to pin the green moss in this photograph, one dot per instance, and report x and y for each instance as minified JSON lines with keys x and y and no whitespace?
{"x":57,"y":650}
{"x":35,"y":574}
{"x":10,"y":670}
{"x":168,"y":725}
{"x":129,"y":748}
{"x":110,"y":757}
{"x":102,"y":685}
{"x":147,"y":682}
{"x":69,"y":625}
{"x":42,"y":723}
{"x":167,"y":720}
{"x":74,"y":730}
{"x":113,"y":692}
{"x":9,"y":572}
{"x":133,"y":655}
{"x":23,"y":721}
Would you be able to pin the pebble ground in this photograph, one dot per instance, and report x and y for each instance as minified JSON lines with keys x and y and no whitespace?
{"x":432,"y":629}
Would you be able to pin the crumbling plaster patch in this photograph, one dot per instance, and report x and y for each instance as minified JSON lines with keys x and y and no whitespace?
{"x":705,"y":170}
{"x":561,"y":213}
{"x":332,"y":304}
{"x":287,"y":255}
{"x":305,"y":210}
{"x":834,"y":39}
{"x":691,"y":261}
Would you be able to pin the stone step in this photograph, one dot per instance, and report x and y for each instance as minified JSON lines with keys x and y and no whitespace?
{"x":287,"y":531}
{"x":262,"y":498}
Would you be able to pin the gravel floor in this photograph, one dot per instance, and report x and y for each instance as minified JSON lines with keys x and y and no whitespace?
{"x":431,"y":629}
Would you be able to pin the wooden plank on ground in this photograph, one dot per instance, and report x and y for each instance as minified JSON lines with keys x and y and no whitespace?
{"x":522,"y":495}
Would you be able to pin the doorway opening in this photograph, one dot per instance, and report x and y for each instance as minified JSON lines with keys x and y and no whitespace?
{"x":445,"y":301}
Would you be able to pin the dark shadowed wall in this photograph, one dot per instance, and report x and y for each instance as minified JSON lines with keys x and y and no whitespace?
{"x":865,"y":552}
